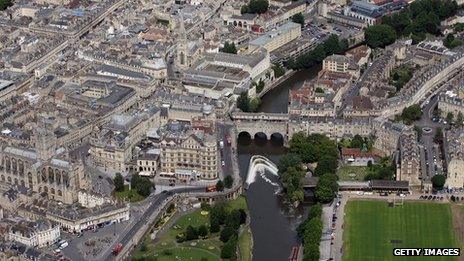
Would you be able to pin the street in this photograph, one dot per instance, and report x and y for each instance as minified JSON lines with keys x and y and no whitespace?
{"x":430,"y":153}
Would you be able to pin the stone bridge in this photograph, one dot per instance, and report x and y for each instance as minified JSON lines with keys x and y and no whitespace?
{"x":267,"y":124}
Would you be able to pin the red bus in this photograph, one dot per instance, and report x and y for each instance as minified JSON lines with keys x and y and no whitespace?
{"x":117,"y":249}
{"x":211,"y":188}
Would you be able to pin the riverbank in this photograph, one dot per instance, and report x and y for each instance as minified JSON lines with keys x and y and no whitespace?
{"x":277,"y":82}
{"x":166,"y":245}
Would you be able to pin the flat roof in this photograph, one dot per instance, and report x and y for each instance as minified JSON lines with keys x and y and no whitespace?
{"x":285,"y":28}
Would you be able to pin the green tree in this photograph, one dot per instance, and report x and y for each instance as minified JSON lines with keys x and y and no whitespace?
{"x":243,"y":102}
{"x":411,"y":114}
{"x":226,"y":233}
{"x":228,"y":181}
{"x":191,"y":233}
{"x":327,"y":164}
{"x":379,"y":35}
{"x":144,"y":188}
{"x":229,"y":249}
{"x":449,"y":117}
{"x":287,"y":161}
{"x":233,"y":219}
{"x":203,"y":231}
{"x":244,"y":9}
{"x":4,"y":4}
{"x":460,"y":120}
{"x":279,"y":71}
{"x":332,"y":45}
{"x":312,"y":252}
{"x":326,"y":188}
{"x":259,"y":86}
{"x":214,"y":226}
{"x":258,"y":6}
{"x":118,"y":182}
{"x":243,"y":216}
{"x":220,"y":185}
{"x":229,"y":48}
{"x":438,"y":181}
{"x":357,"y":142}
{"x":254,"y":104}
{"x":299,"y":19}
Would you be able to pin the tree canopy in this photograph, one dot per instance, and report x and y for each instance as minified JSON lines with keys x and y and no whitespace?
{"x":379,"y":35}
{"x":4,"y":4}
{"x":246,"y":104}
{"x":421,"y":17}
{"x":411,"y":114}
{"x":438,"y":181}
{"x":229,"y":48}
{"x":299,"y":19}
{"x":255,"y":7}
{"x":118,"y":182}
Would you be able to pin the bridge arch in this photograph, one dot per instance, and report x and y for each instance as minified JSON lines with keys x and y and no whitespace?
{"x":277,"y":136}
{"x":261,"y":135}
{"x":245,"y":134}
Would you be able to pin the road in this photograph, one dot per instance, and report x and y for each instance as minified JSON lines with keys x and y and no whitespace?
{"x":125,"y":231}
{"x":431,"y":163}
{"x":227,"y":154}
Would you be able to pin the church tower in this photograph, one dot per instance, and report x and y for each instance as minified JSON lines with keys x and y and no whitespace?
{"x":44,"y":139}
{"x":182,"y":43}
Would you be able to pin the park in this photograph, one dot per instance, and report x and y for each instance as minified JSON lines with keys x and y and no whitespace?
{"x":373,"y":228}
{"x":167,"y":245}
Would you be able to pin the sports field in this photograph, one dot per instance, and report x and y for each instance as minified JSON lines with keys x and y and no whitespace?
{"x":373,"y":229}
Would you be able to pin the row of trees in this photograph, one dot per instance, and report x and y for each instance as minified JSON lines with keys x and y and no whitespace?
{"x":246,"y":104}
{"x":310,"y":232}
{"x":227,"y":183}
{"x":227,"y":223}
{"x":333,"y":45}
{"x":255,"y":7}
{"x":415,"y":21}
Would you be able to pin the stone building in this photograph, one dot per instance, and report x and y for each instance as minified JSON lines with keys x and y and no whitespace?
{"x":455,"y":159}
{"x":186,"y":154}
{"x":43,"y":169}
{"x":408,"y":165}
{"x":40,"y":233}
{"x":112,"y":145}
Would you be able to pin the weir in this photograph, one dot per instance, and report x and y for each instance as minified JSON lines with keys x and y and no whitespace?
{"x":257,"y":163}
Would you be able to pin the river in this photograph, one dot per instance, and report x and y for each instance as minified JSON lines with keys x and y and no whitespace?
{"x":273,"y":224}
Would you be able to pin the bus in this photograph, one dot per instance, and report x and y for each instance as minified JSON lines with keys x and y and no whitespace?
{"x":117,"y":249}
{"x":211,"y":188}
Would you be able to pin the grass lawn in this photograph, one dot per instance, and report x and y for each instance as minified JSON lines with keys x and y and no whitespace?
{"x":130,"y":195}
{"x":346,"y":173}
{"x":371,"y":225}
{"x":244,"y":244}
{"x":166,"y":247}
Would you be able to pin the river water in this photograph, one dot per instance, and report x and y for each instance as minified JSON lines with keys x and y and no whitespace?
{"x":273,"y":224}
